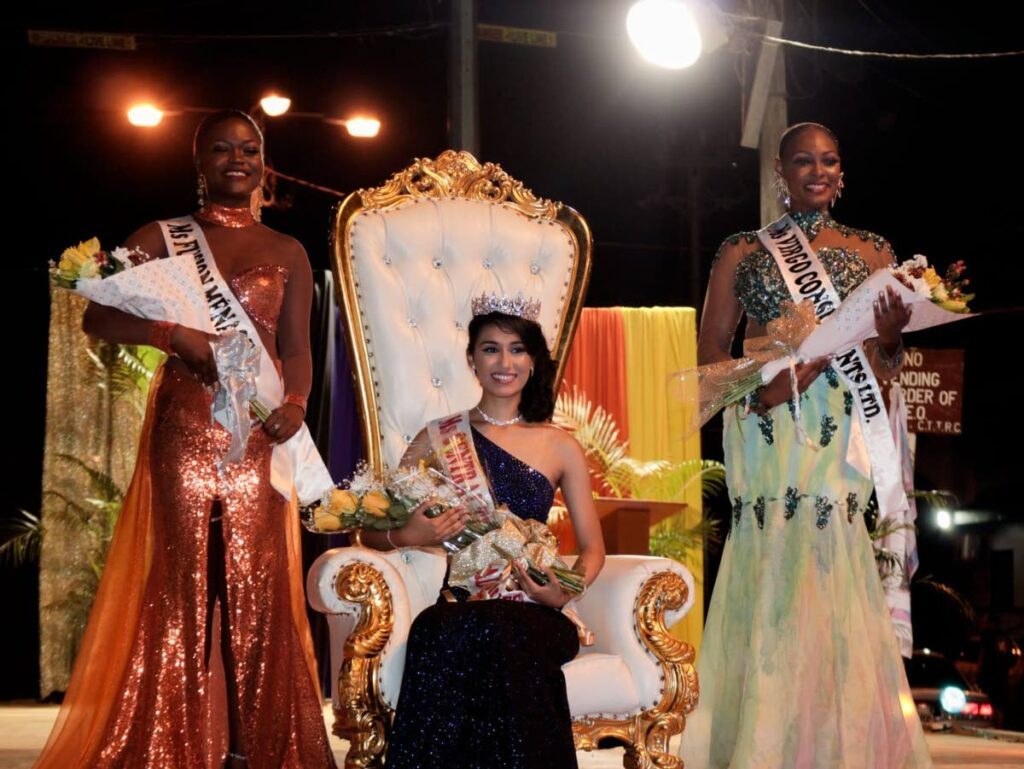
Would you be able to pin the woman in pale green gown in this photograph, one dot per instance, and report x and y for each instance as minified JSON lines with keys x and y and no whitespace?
{"x":799,"y":667}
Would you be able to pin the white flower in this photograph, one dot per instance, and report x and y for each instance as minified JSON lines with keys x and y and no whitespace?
{"x":920,"y":287}
{"x":120,"y":254}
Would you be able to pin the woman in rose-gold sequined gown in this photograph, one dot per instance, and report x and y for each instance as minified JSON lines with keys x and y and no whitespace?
{"x":198,"y":640}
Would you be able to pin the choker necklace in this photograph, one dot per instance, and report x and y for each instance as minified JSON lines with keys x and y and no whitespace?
{"x":498,"y":422}
{"x":235,"y":218}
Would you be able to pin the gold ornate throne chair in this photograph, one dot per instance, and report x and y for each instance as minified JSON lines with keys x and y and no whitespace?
{"x":408,"y":258}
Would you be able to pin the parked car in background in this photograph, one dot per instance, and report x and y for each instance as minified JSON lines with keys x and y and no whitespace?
{"x":942,"y":695}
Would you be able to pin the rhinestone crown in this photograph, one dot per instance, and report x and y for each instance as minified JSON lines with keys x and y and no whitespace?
{"x":521,"y":307}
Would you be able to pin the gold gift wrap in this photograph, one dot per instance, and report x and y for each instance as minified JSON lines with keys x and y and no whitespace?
{"x":528,"y":538}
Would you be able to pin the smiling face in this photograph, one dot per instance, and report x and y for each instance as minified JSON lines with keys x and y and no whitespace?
{"x":810,"y":166}
{"x":501,"y":362}
{"x":230,"y":156}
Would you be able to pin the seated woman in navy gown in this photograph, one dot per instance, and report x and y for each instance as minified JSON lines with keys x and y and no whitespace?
{"x":483,"y":685}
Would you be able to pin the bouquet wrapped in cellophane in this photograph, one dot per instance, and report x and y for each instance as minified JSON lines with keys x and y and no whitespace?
{"x":481,"y":555}
{"x":796,"y":335}
{"x":170,"y":289}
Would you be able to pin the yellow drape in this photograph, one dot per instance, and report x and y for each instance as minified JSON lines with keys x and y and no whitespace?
{"x":660,"y":341}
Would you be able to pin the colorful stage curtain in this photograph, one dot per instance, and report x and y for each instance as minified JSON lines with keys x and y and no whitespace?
{"x":597,"y":365}
{"x":622,"y":358}
{"x":658,"y":342}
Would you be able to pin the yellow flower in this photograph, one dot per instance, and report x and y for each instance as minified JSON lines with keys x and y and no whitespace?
{"x":326,"y":522}
{"x":90,"y":247}
{"x":343,"y":502}
{"x":74,"y":256}
{"x":66,"y":265}
{"x":954,"y":305}
{"x":931,"y":277}
{"x":89,"y":269}
{"x":376,"y":503}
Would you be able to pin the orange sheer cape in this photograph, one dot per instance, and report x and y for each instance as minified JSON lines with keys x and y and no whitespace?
{"x":101,"y":665}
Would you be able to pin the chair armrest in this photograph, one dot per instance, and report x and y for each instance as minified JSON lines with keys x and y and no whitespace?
{"x":630,"y":607}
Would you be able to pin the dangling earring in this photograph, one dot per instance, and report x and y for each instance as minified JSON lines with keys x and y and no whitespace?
{"x":531,"y":371}
{"x":781,"y":189}
{"x":201,"y":191}
{"x":839,"y":189}
{"x":256,"y":203}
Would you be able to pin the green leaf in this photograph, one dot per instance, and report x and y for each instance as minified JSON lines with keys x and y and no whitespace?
{"x":102,"y":484}
{"x":21,"y":538}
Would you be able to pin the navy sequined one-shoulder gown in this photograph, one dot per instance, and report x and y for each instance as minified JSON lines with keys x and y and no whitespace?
{"x":483,"y":685}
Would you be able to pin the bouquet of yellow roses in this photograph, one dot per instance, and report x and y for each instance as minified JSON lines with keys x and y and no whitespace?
{"x":385,"y":500}
{"x":87,"y":260}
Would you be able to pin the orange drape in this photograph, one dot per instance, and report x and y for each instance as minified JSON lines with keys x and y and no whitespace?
{"x":597,"y":363}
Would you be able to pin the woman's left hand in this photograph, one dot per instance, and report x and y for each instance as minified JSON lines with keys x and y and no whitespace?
{"x":550,"y":594}
{"x":891,"y":317}
{"x":284,"y":422}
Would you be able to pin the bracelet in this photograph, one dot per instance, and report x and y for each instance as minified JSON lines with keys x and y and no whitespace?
{"x":296,"y":400}
{"x":387,"y":536}
{"x":896,"y":360}
{"x":160,"y":334}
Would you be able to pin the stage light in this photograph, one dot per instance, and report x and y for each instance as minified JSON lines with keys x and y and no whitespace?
{"x":145,"y":115}
{"x":274,"y":105}
{"x":362,"y":127}
{"x":664,"y":32}
{"x":943,"y":520}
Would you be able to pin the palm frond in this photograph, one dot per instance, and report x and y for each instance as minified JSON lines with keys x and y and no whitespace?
{"x":21,"y":538}
{"x":592,"y":426}
{"x":619,"y":474}
{"x":888,"y":562}
{"x":674,"y":539}
{"x":131,"y":374}
{"x":888,"y":526}
{"x":956,"y":598}
{"x":673,"y":480}
{"x":102,"y":484}
{"x":71,"y":514}
{"x":937,"y":497}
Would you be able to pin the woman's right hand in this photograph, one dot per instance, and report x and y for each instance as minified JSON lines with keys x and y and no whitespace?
{"x":193,"y":347}
{"x":421,"y":531}
{"x":780,"y":390}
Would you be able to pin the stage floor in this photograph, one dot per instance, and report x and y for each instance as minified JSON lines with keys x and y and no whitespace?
{"x":24,"y":728}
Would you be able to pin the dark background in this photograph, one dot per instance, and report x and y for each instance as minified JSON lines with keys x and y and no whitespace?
{"x":931,"y":154}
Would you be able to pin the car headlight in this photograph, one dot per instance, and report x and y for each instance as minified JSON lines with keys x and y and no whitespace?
{"x":952,"y":699}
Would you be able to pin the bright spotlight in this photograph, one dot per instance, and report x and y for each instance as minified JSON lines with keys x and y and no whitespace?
{"x":664,"y":32}
{"x":362,"y":127}
{"x":274,"y":105}
{"x":145,"y":115}
{"x":943,"y":520}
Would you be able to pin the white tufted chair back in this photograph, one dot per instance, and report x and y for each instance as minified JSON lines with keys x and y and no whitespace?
{"x":409,"y":257}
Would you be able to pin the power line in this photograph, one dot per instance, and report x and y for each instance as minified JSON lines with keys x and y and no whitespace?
{"x":885,"y":55}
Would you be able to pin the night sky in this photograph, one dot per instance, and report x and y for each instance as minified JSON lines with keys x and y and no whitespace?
{"x":931,"y":154}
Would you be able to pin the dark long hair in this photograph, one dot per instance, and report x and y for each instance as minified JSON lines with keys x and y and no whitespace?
{"x":537,"y":402}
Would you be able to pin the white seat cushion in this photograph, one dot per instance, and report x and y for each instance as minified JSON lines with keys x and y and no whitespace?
{"x":600,"y":685}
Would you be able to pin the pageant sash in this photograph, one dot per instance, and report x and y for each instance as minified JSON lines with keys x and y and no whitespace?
{"x":295,"y":465}
{"x":871,"y":450}
{"x":452,"y":441}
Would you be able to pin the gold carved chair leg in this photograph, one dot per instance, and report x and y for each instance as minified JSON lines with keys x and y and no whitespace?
{"x":363,"y":718}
